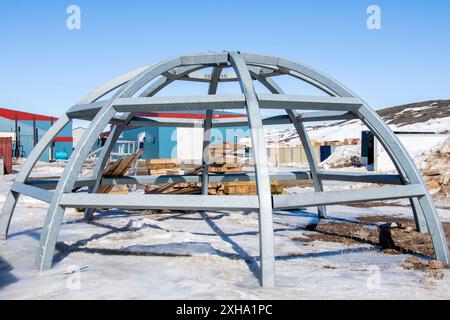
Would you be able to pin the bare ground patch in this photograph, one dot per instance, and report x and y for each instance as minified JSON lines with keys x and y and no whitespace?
{"x":392,"y":235}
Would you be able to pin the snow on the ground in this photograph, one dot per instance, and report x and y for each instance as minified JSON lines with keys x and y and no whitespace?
{"x":435,"y":156}
{"x":143,"y":255}
{"x":349,"y":130}
{"x":341,"y":157}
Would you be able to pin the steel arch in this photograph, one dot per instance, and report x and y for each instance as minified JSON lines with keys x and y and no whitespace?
{"x":247,"y":67}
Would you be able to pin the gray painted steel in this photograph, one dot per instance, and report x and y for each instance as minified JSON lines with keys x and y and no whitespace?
{"x":134,"y":93}
{"x":387,"y":179}
{"x":230,"y":101}
{"x":163,"y":179}
{"x":216,"y":123}
{"x":266,"y":238}
{"x":31,"y":191}
{"x":151,"y":201}
{"x":55,"y":213}
{"x":403,"y":160}
{"x":22,"y":176}
{"x":361,"y":177}
{"x":101,"y":163}
{"x":337,"y":197}
{"x":215,"y":75}
{"x":304,"y":138}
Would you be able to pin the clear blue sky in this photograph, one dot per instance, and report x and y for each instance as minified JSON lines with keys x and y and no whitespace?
{"x":46,"y":68}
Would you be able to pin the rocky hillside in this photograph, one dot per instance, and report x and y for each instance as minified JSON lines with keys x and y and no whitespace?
{"x":427,"y":116}
{"x":421,"y":112}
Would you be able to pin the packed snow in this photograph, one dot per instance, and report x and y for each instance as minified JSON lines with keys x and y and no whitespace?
{"x":212,"y":255}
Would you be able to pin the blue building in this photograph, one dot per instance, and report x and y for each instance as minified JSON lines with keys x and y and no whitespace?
{"x":26,"y":129}
{"x":181,"y":143}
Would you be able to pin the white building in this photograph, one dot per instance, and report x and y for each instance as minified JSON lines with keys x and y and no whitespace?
{"x":77,"y":133}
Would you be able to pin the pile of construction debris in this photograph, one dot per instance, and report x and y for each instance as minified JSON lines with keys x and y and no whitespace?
{"x":435,"y":167}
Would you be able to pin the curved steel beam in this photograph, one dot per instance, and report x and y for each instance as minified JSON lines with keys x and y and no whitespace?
{"x":118,"y":129}
{"x":131,"y":83}
{"x":273,"y":87}
{"x":398,"y":152}
{"x":333,"y":88}
{"x":308,"y":74}
{"x":202,"y":59}
{"x":22,"y":176}
{"x":55,"y":212}
{"x":111,"y":85}
{"x":101,"y":163}
{"x":164,"y":81}
{"x":215,"y":75}
{"x":266,"y":238}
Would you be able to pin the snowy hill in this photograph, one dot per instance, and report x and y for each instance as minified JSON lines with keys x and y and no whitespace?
{"x":427,"y":116}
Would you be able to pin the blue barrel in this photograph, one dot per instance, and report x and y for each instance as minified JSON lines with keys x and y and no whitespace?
{"x":61,"y":155}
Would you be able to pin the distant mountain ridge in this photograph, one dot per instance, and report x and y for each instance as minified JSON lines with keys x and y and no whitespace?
{"x":426,"y":116}
{"x":416,"y":112}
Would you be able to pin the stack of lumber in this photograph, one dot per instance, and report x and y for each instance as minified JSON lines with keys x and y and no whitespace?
{"x":170,"y":187}
{"x":225,"y":168}
{"x":227,"y":153}
{"x":249,"y":188}
{"x":351,"y":141}
{"x":118,"y":168}
{"x":216,"y":188}
{"x":159,"y":167}
{"x":316,"y":143}
{"x":332,"y":143}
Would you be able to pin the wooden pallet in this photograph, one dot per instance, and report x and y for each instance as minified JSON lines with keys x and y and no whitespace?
{"x":118,"y":168}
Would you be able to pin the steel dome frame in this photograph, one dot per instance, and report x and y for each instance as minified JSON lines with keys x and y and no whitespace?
{"x":135,"y":92}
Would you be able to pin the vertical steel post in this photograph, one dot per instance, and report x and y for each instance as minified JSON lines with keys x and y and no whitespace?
{"x":215,"y":77}
{"x":304,"y":138}
{"x":101,"y":163}
{"x":266,"y":237}
{"x":34,"y":132}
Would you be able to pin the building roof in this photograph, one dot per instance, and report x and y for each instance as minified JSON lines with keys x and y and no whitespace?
{"x":24,"y":116}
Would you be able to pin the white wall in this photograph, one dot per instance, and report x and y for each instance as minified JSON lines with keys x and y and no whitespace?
{"x":11,"y":135}
{"x":415,"y":144}
{"x":77,"y":133}
{"x":189,"y":143}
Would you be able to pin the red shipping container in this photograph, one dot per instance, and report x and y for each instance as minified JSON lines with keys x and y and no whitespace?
{"x":6,"y":153}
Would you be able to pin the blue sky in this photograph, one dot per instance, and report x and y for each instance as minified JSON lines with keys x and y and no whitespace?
{"x":46,"y":68}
